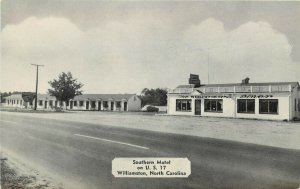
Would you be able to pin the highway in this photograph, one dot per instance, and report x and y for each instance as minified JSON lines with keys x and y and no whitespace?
{"x":80,"y":155}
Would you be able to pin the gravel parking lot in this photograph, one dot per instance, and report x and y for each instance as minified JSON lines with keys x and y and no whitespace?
{"x":271,"y":133}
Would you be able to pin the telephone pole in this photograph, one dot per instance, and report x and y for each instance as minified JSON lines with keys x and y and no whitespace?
{"x":37,"y":81}
{"x":207,"y":68}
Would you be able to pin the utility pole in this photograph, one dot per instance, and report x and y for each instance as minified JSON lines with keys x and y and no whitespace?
{"x":37,"y":81}
{"x":207,"y":68}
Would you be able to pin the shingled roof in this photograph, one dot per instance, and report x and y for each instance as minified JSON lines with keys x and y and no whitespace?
{"x":46,"y":97}
{"x":14,"y":96}
{"x":116,"y":97}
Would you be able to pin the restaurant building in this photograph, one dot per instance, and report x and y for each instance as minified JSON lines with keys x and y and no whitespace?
{"x":270,"y":101}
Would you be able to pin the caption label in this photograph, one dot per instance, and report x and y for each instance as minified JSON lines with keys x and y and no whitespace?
{"x":151,"y":167}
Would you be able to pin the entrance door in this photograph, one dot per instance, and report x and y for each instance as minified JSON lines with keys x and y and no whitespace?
{"x":71,"y":105}
{"x":99,"y":105}
{"x":87,"y":105}
{"x":197,"y":107}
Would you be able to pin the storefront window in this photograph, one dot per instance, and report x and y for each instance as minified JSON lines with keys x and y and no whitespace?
{"x":268,"y":106}
{"x":245,"y":105}
{"x":183,"y":105}
{"x":214,"y":105}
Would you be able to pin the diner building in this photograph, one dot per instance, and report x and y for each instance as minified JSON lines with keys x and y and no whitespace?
{"x":269,"y":101}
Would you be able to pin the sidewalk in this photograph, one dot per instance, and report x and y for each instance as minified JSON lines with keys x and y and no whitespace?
{"x":271,"y":133}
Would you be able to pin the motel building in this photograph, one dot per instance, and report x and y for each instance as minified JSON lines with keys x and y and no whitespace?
{"x":93,"y":102}
{"x":106,"y":102}
{"x":22,"y":100}
{"x":48,"y":102}
{"x":269,"y":101}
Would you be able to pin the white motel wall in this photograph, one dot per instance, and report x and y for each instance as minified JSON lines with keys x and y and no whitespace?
{"x":269,"y":101}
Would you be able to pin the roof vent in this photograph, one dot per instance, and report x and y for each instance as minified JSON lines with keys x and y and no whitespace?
{"x":194,"y":79}
{"x":246,"y":80}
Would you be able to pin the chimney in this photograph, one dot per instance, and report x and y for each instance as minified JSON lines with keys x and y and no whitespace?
{"x":246,"y":80}
{"x":194,"y":79}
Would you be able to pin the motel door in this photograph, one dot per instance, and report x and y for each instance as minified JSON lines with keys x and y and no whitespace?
{"x":125,"y":106}
{"x":197,"y":107}
{"x":112,"y":106}
{"x":87,"y":104}
{"x":99,"y":105}
{"x":71,"y":104}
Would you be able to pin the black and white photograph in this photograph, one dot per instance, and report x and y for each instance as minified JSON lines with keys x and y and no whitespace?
{"x":98,"y":94}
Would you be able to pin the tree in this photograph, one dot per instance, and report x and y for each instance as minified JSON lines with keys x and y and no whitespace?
{"x":156,"y":97}
{"x":65,"y":87}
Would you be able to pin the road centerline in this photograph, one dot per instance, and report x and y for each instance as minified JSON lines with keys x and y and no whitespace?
{"x":112,"y":141}
{"x":8,"y":121}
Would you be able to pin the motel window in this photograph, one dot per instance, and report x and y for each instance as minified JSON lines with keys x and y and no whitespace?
{"x":268,"y":106}
{"x":245,"y":105}
{"x":93,"y":104}
{"x":80,"y":103}
{"x":75,"y":103}
{"x":17,"y":101}
{"x":118,"y":104}
{"x":40,"y":103}
{"x":183,"y":105}
{"x":50,"y":102}
{"x":105,"y":104}
{"x":299,"y":104}
{"x":213,"y":105}
{"x":21,"y":102}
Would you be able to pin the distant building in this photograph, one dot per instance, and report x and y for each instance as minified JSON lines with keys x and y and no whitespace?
{"x":271,"y":101}
{"x":22,"y":100}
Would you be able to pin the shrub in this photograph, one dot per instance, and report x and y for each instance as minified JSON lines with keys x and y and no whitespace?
{"x":152,"y":109}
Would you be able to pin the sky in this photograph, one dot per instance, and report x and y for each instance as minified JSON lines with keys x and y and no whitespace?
{"x":124,"y":47}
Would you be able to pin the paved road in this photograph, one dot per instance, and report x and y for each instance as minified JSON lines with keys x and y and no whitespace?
{"x":86,"y":163}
